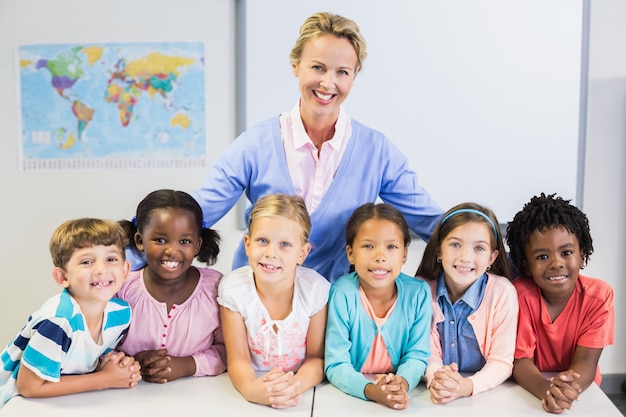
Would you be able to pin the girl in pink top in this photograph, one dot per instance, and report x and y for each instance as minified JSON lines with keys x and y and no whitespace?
{"x":474,"y":306}
{"x":175,"y":331}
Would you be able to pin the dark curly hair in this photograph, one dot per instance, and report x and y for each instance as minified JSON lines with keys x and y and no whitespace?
{"x":170,"y":199}
{"x":546,"y":212}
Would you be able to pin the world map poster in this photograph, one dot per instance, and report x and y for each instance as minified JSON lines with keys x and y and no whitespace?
{"x":112,"y":106}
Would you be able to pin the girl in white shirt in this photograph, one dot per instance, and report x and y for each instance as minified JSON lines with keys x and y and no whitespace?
{"x":273,"y":311}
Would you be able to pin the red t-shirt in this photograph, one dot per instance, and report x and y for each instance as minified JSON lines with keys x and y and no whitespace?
{"x":587,"y":320}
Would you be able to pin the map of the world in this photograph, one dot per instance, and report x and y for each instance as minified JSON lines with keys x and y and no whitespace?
{"x":108,"y":106}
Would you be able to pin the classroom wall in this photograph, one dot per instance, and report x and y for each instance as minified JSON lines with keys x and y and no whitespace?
{"x":605,"y":163}
{"x":34,"y":203}
{"x":481,"y":78}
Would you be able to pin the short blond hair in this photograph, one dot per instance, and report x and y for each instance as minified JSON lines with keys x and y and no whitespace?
{"x":282,"y":205}
{"x":83,"y":233}
{"x":323,"y":23}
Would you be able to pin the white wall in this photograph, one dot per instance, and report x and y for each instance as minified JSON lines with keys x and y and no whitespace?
{"x":455,"y":88}
{"x":605,"y":172}
{"x":34,"y":203}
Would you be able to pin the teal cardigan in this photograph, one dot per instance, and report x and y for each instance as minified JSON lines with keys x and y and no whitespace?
{"x":350,"y":333}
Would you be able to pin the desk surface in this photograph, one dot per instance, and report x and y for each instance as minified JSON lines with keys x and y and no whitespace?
{"x":202,"y":396}
{"x":508,"y":399}
{"x":216,"y":396}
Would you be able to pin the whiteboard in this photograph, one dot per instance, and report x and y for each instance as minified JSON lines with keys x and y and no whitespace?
{"x":484,"y":97}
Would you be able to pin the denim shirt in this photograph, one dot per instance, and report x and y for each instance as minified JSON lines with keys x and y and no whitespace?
{"x":458,"y":340}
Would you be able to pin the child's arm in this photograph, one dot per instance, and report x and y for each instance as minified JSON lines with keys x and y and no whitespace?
{"x":567,"y":385}
{"x":337,"y":359}
{"x":255,"y":389}
{"x":498,"y":337}
{"x":311,"y":371}
{"x":116,"y":373}
{"x":416,"y":351}
{"x":530,"y":378}
{"x":213,"y":360}
{"x":558,"y":393}
{"x":585,"y":364}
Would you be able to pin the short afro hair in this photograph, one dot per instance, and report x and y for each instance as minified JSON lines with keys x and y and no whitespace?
{"x":546,"y":212}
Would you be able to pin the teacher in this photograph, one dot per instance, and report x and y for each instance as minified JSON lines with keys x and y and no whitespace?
{"x":316,"y":150}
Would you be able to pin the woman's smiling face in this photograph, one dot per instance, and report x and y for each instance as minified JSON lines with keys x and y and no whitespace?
{"x":326,"y":73}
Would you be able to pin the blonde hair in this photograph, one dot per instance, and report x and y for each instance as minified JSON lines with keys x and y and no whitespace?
{"x":83,"y":233}
{"x":282,"y":205}
{"x":323,"y":23}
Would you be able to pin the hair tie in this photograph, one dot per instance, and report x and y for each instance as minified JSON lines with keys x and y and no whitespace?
{"x":134,"y":220}
{"x":203,"y":225}
{"x":480,"y":213}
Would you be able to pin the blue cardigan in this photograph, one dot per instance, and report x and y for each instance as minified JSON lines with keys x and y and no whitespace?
{"x":350,"y":333}
{"x":371,"y":167}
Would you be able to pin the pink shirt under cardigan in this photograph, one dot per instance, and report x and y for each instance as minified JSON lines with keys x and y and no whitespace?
{"x":495,"y":324}
{"x":378,"y":360}
{"x":311,"y":175}
{"x":188,"y":329}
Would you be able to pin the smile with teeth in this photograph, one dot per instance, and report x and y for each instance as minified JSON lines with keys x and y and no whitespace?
{"x":379,"y":273}
{"x":269,"y":267}
{"x":170,"y":264}
{"x":463,"y":269}
{"x":557,"y":278}
{"x":101,"y":283}
{"x":323,"y":96}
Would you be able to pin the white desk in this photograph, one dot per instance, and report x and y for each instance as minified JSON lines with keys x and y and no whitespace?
{"x":202,"y":396}
{"x":215,"y":396}
{"x":508,"y":399}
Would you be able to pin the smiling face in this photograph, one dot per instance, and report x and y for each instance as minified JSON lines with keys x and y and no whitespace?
{"x":326,"y":74}
{"x":465,"y":254}
{"x":378,"y":253}
{"x":93,"y":274}
{"x":170,"y":240}
{"x":275,"y":246}
{"x":553,"y":259}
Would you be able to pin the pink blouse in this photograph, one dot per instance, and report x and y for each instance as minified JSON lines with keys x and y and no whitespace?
{"x":311,"y":173}
{"x":188,"y":329}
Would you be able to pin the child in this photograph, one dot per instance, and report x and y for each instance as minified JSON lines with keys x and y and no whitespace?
{"x":474,"y":305}
{"x":176,"y":331}
{"x":378,"y":317}
{"x":565,"y":319}
{"x":59,"y":350}
{"x":274,"y":310}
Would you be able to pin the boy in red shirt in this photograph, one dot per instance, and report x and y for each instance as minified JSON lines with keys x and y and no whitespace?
{"x":565,"y":319}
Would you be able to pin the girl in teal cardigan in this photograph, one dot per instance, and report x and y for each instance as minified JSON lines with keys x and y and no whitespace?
{"x":378,"y":318}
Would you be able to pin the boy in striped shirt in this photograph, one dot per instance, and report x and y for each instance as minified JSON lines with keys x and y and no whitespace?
{"x":66,"y":345}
